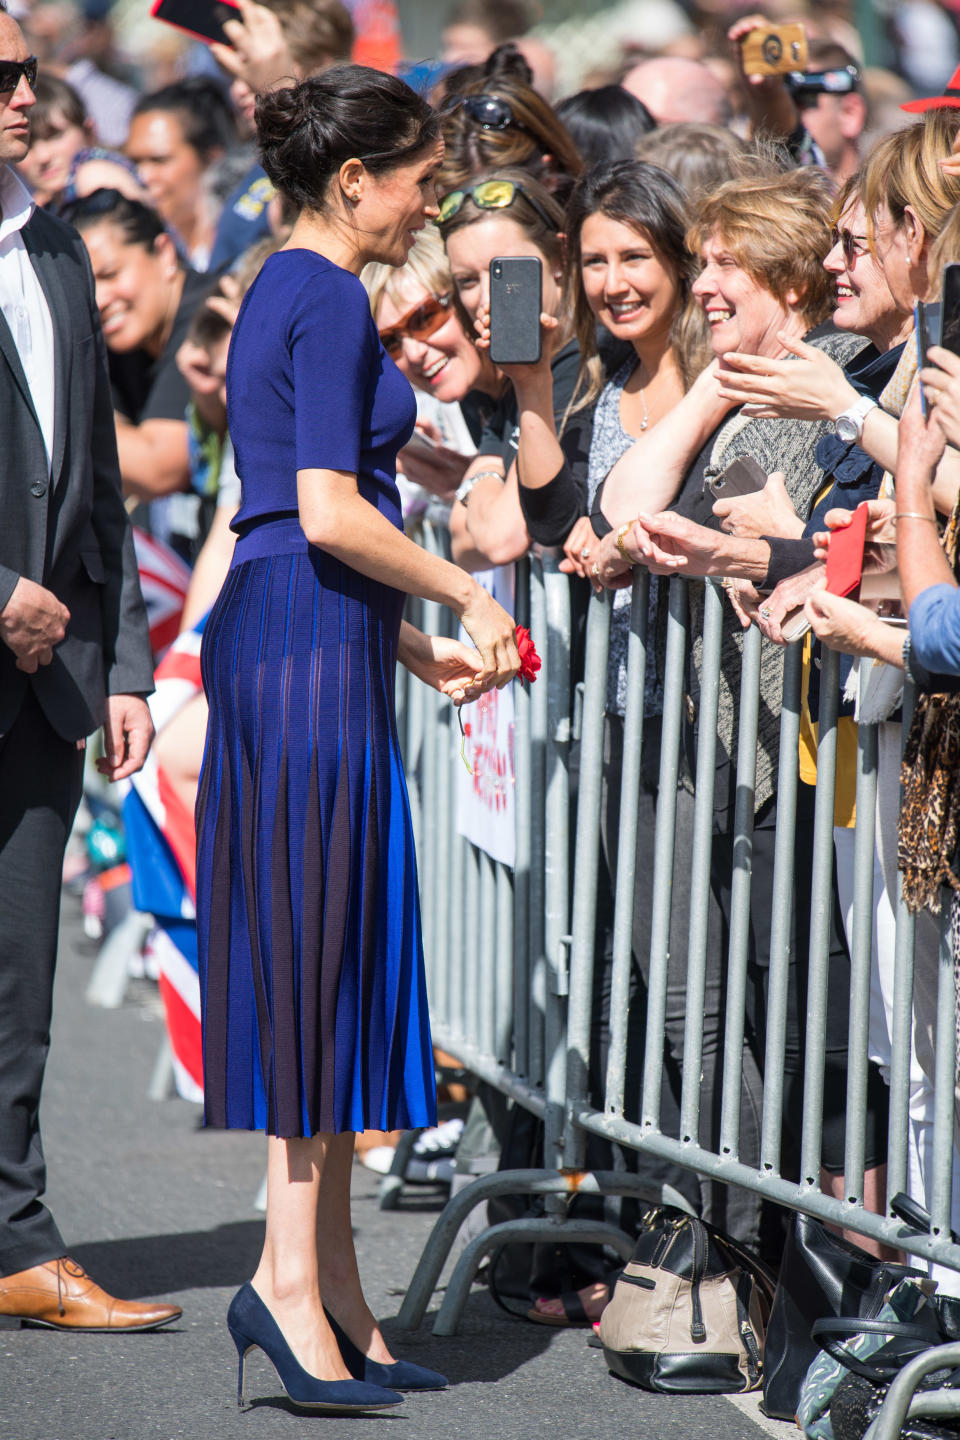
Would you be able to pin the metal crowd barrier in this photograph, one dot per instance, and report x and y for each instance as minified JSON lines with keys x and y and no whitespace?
{"x":510,"y":955}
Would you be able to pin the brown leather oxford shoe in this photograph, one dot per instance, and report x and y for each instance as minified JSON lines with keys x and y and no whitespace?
{"x":61,"y":1295}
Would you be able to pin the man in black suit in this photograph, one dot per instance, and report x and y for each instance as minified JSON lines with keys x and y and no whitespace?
{"x":74,"y":655}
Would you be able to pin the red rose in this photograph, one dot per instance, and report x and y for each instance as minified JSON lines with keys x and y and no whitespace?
{"x":530,"y":661}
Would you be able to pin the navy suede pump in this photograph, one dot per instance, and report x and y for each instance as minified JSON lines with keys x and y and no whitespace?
{"x":253,"y":1327}
{"x":401,"y":1375}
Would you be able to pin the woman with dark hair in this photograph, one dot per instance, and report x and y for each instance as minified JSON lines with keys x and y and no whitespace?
{"x":146,"y":300}
{"x":495,"y":121}
{"x":605,"y":124}
{"x":311,"y":968}
{"x":176,"y":134}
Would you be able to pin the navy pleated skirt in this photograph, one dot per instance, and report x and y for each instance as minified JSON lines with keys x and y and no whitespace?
{"x":311,"y":966}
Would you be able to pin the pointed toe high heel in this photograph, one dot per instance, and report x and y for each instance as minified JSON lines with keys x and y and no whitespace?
{"x":252,"y":1327}
{"x":401,"y":1375}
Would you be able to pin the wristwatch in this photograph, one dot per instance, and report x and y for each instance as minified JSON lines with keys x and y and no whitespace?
{"x":849,"y":423}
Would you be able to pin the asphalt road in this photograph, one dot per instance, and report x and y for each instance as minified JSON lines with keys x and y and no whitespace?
{"x":153,"y":1205}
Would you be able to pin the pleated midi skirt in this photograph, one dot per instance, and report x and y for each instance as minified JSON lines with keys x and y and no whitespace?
{"x":312,"y":982}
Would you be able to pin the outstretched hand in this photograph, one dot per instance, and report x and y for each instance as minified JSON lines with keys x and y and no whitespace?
{"x":812,"y":386}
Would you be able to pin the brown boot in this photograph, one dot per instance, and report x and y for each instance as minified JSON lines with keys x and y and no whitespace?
{"x":61,"y":1295}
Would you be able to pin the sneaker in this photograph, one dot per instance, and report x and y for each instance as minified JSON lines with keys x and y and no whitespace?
{"x":432,"y":1160}
{"x":379,"y":1158}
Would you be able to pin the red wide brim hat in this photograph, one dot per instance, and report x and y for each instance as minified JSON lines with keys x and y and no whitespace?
{"x":949,"y":99}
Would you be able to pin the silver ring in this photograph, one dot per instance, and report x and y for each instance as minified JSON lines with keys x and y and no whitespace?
{"x":585,"y":553}
{"x":765,"y":612}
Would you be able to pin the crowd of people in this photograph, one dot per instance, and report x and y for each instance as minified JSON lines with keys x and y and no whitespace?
{"x":212,"y":308}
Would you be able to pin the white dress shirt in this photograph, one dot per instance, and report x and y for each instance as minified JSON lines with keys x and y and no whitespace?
{"x":23,"y":302}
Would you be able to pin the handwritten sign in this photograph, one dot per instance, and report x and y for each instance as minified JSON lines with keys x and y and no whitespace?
{"x":486,"y":799}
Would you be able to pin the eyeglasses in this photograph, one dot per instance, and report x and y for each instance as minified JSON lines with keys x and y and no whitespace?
{"x":492,"y":195}
{"x":419,"y":323}
{"x":853,"y":246}
{"x":13,"y":71}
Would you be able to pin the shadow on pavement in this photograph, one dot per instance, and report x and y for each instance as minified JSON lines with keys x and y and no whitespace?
{"x":165,"y":1264}
{"x":490,"y":1345}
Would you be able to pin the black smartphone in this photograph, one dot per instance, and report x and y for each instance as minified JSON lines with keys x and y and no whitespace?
{"x":921,"y":327}
{"x":744,"y":476}
{"x":203,"y":19}
{"x":516,"y":300}
{"x":950,"y":309}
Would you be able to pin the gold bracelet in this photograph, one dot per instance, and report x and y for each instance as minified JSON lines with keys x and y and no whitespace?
{"x":915,"y":515}
{"x":620,"y":534}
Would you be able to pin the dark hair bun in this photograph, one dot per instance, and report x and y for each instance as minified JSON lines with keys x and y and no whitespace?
{"x":307,"y":131}
{"x":508,"y":63}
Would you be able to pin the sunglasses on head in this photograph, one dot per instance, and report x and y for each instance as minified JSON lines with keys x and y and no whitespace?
{"x":13,"y":71}
{"x":491,"y":195}
{"x":419,"y":323}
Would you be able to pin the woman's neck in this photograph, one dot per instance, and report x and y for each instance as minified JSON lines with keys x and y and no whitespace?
{"x":156,"y":345}
{"x":894,"y":331}
{"x":658,"y":359}
{"x":330,"y":236}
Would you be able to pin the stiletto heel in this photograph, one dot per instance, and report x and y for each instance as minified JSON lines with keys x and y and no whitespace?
{"x":252,"y":1327}
{"x":401,"y":1375}
{"x":241,"y":1345}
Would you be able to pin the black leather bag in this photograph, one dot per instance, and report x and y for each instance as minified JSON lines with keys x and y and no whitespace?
{"x":821,"y":1275}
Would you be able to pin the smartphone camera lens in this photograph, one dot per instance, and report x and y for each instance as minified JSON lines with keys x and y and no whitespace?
{"x":497,"y":269}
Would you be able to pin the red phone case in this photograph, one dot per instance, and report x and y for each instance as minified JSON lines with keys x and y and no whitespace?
{"x":845,"y":554}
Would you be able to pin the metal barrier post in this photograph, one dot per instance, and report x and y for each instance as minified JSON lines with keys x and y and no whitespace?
{"x":663,"y":854}
{"x":821,"y":907}
{"x":740,"y":890}
{"x":700,"y":864}
{"x":552,"y":999}
{"x":783,"y":890}
{"x":630,"y":782}
{"x":901,"y":1038}
{"x":861,"y":947}
{"x":585,"y":866}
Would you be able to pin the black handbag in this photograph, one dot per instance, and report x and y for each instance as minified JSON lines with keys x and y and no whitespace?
{"x":821,"y":1275}
{"x":860,"y":1394}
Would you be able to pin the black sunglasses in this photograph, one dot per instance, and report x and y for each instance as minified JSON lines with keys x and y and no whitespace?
{"x":13,"y":71}
{"x":487,"y":111}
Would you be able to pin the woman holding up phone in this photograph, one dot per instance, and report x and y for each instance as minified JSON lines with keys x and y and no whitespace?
{"x":508,"y":214}
{"x":311,"y":967}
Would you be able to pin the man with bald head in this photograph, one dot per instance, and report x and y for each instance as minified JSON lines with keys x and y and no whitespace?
{"x":74,"y":656}
{"x":674,"y":89}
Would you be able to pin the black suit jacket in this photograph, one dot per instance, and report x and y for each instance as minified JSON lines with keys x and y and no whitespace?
{"x":66,"y":528}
